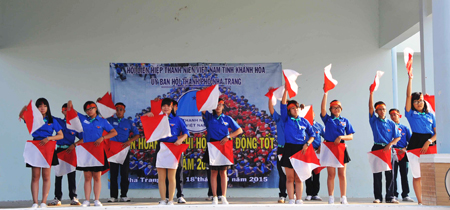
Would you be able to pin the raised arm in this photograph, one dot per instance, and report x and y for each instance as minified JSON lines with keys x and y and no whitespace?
{"x":284,"y":99}
{"x":371,"y":104}
{"x":323,"y":107}
{"x":408,"y":94}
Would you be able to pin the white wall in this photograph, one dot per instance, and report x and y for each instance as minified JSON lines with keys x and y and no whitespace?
{"x":61,"y":49}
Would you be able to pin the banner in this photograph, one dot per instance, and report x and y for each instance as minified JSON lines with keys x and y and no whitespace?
{"x":242,"y":86}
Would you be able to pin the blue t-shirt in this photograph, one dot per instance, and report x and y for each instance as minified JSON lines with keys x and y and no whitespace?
{"x":421,"y":122}
{"x":133,"y":166}
{"x":383,"y":130}
{"x":406,"y":136}
{"x":218,"y":125}
{"x":142,"y":166}
{"x":249,"y":172}
{"x":46,"y":130}
{"x":295,"y":129}
{"x":177,"y":126}
{"x":69,"y":135}
{"x":261,"y":168}
{"x":280,"y":128}
{"x":123,"y":127}
{"x":240,"y":169}
{"x":319,"y":131}
{"x":335,"y":127}
{"x":93,"y":128}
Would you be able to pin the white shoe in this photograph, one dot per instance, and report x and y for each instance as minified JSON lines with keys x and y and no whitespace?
{"x":291,"y":201}
{"x":209,"y":198}
{"x":43,"y":205}
{"x":308,"y":198}
{"x":344,"y":200}
{"x":331,"y":200}
{"x":35,"y":206}
{"x":408,"y":199}
{"x":163,"y":202}
{"x":316,"y":198}
{"x":170,"y":203}
{"x":75,"y":202}
{"x":376,"y":201}
{"x":97,"y":203}
{"x":124,"y":199}
{"x":111,"y":200}
{"x":281,"y":200}
{"x":298,"y":202}
{"x":86,"y":203}
{"x":181,"y":200}
{"x":54,"y":202}
{"x":224,"y":200}
{"x":215,"y":201}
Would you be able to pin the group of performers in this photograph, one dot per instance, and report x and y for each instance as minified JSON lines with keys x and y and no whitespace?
{"x":295,"y":134}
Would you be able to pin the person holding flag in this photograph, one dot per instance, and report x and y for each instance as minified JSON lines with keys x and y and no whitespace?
{"x":423,"y":126}
{"x":93,"y":126}
{"x":67,"y":144}
{"x":280,"y":150}
{"x":401,"y":163}
{"x":218,"y":125}
{"x":296,"y":129}
{"x":124,"y":128}
{"x":385,"y":135}
{"x":337,"y":130}
{"x":44,"y":134}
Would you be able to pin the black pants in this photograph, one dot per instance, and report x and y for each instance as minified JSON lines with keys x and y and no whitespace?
{"x":219,"y":185}
{"x":313,"y":184}
{"x":282,"y":180}
{"x":403,"y":165}
{"x":178,"y":179}
{"x":378,"y":184}
{"x":71,"y":182}
{"x":115,"y":168}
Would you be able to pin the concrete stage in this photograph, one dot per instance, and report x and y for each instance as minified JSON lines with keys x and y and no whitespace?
{"x":269,"y":203}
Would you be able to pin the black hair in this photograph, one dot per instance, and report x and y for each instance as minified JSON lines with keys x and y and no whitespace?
{"x":88,"y":103}
{"x":48,"y":114}
{"x":330,"y":106}
{"x":175,"y":103}
{"x":394,"y":109}
{"x":64,"y":106}
{"x":120,"y":103}
{"x":289,"y":102}
{"x":166,"y":101}
{"x":416,"y":96}
{"x":214,"y":111}
{"x":378,"y":103}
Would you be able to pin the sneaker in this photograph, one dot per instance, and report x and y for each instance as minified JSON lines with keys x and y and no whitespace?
{"x":331,"y":200}
{"x":75,"y":202}
{"x":181,"y":200}
{"x":316,"y":198}
{"x":420,"y":204}
{"x":170,"y":203}
{"x":35,"y":206}
{"x":219,"y":197}
{"x":43,"y":205}
{"x":215,"y":201}
{"x":393,"y":200}
{"x":163,"y":202}
{"x":111,"y":200}
{"x":344,"y":200}
{"x":408,"y":199}
{"x":124,"y":199}
{"x":167,"y":200}
{"x":97,"y":203}
{"x":209,"y":198}
{"x":291,"y":201}
{"x":308,"y":198}
{"x":376,"y":201}
{"x":224,"y":200}
{"x":281,"y":200}
{"x":299,"y":202}
{"x":55,"y":202}
{"x":86,"y":203}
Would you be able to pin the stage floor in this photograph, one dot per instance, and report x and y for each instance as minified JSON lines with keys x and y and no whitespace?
{"x":235,"y":203}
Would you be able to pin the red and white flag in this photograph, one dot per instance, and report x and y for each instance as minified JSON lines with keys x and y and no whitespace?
{"x":398,"y":157}
{"x":156,"y":107}
{"x":73,"y":121}
{"x":304,"y":164}
{"x":116,"y":153}
{"x":33,"y":118}
{"x":106,"y":106}
{"x":330,"y":83}
{"x":429,"y":99}
{"x":220,"y":154}
{"x":156,"y":127}
{"x":67,"y":163}
{"x":307,"y":113}
{"x":408,"y":54}
{"x":380,"y":160}
{"x":332,"y":155}
{"x":89,"y":155}
{"x":318,"y":169}
{"x":289,"y":77}
{"x":413,"y":158}
{"x":376,"y":82}
{"x":207,"y":99}
{"x":39,"y":156}
{"x":275,"y":94}
{"x":169,"y":155}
